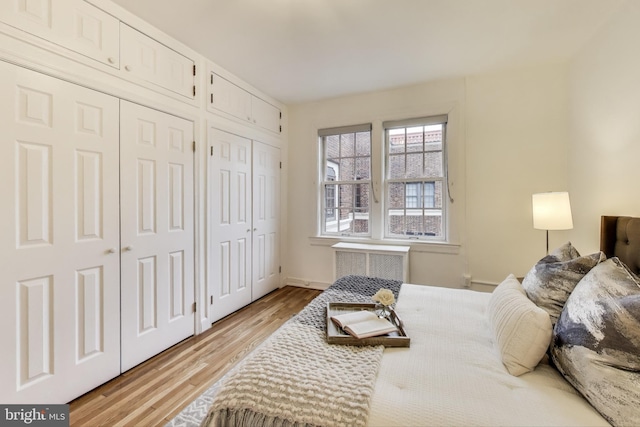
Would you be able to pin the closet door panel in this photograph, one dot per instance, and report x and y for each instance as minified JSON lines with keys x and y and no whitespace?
{"x":157,"y":232}
{"x":266,"y":219}
{"x":231,"y":230}
{"x":59,"y":233}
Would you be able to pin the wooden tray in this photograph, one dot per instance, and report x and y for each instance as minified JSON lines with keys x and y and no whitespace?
{"x":335,"y":335}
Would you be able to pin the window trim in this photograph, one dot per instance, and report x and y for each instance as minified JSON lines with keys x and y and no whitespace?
{"x":323,"y":219}
{"x":449,"y":242}
{"x":443,"y":212}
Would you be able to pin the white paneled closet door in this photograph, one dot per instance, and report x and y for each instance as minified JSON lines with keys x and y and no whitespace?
{"x":266,"y":219}
{"x":157,"y":232}
{"x":231,"y":230}
{"x":59,"y":238}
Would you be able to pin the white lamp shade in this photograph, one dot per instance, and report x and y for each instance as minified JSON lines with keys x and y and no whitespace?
{"x":552,"y":211}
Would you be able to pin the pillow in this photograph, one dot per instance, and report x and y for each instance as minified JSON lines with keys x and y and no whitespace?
{"x":596,"y":341}
{"x":522,"y":331}
{"x":549,"y":283}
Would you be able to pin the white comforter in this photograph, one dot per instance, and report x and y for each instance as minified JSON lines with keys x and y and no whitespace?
{"x":452,"y":375}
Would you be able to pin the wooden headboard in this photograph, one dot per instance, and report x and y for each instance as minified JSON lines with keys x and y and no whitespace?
{"x":620,"y":237}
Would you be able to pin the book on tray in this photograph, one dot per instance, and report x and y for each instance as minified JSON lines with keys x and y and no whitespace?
{"x":363,"y":324}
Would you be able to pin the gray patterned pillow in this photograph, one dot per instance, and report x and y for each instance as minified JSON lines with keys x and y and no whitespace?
{"x":549,"y":283}
{"x":596,"y":342}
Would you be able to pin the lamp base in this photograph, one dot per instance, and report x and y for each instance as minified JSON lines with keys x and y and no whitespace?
{"x":547,"y":242}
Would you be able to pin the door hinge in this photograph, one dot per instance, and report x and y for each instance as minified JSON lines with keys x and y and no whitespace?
{"x":194,"y":90}
{"x":280,"y":114}
{"x":194,"y":69}
{"x":194,"y":146}
{"x":280,"y":165}
{"x":211,"y":151}
{"x":211,"y":299}
{"x":280,"y":269}
{"x":212,"y":98}
{"x":193,"y":307}
{"x":280,"y":128}
{"x":211,"y":78}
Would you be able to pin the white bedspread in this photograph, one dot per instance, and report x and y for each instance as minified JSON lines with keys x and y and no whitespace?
{"x":452,"y":375}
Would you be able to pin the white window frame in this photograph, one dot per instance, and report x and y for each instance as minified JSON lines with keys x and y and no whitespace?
{"x":443,"y":211}
{"x":340,"y":224}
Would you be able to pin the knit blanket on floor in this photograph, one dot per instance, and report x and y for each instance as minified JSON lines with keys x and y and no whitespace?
{"x":296,"y":379}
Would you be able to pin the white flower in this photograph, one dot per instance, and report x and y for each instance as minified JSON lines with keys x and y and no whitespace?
{"x":384,"y":297}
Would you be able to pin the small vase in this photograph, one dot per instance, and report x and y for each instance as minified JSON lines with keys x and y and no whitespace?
{"x":382,"y":311}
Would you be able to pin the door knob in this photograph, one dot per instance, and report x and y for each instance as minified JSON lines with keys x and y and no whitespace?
{"x":128,"y":248}
{"x":111,"y":250}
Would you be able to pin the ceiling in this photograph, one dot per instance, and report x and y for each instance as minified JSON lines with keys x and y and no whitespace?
{"x":305,"y":50}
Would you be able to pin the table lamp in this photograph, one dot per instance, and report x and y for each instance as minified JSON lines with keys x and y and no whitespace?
{"x":551,"y":211}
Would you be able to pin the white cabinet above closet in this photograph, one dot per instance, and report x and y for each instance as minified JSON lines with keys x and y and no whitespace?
{"x":73,"y":24}
{"x":232,"y":99}
{"x":150,"y":60}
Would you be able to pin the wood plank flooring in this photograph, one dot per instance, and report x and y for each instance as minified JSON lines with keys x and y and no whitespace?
{"x":152,"y":393}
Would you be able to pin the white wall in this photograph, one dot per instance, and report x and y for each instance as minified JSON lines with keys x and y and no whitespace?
{"x":517,"y":145}
{"x":310,"y":262}
{"x":510,"y":137}
{"x":605,"y":127}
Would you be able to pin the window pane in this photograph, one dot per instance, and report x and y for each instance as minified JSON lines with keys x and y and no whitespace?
{"x":396,"y":223}
{"x":361,"y":221}
{"x":361,"y":195}
{"x":346,"y":195}
{"x":347,"y":145}
{"x":438,"y":195}
{"x":396,"y":195}
{"x":396,"y":141}
{"x":396,"y":166}
{"x":347,"y":169}
{"x":332,"y":146}
{"x":415,"y":155}
{"x":415,"y":139}
{"x":433,"y":163}
{"x":433,"y":225}
{"x":413,"y":223}
{"x":363,"y":167}
{"x":363,"y":144}
{"x":415,"y":165}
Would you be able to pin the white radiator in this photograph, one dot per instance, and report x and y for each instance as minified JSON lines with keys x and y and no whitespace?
{"x":387,"y":262}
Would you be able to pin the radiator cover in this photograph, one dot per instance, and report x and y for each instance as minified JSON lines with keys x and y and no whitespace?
{"x":384,"y":261}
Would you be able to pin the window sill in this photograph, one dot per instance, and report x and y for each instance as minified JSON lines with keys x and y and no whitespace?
{"x":416,"y":246}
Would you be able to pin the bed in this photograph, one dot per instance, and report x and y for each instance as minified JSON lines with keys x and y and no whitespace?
{"x":561,"y":348}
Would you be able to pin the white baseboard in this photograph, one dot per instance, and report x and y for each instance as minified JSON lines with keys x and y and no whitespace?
{"x":304,"y":283}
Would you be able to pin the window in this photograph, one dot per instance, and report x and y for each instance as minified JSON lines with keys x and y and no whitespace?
{"x":415,"y":178}
{"x":346,"y":180}
{"x":411,"y":168}
{"x":420,"y":195}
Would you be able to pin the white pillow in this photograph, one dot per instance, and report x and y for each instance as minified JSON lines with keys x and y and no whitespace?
{"x":522,"y":331}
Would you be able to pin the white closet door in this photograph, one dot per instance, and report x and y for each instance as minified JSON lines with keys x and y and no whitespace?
{"x":59,"y":238}
{"x":157,"y":231}
{"x":266,"y":219}
{"x":230,"y":233}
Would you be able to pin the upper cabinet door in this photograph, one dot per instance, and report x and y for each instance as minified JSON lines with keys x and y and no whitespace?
{"x":232,"y":99}
{"x":227,"y":97}
{"x":149,"y":60}
{"x":73,"y":24}
{"x":265,"y":115}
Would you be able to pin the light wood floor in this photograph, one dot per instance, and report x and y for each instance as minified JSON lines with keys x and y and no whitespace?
{"x":153,"y":392}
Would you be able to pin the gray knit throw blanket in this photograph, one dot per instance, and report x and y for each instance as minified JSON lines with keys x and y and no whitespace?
{"x":296,"y":379}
